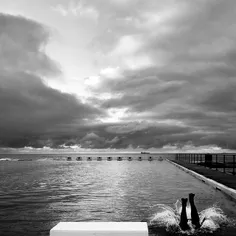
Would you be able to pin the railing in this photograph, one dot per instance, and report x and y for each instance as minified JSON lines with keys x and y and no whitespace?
{"x":224,"y":162}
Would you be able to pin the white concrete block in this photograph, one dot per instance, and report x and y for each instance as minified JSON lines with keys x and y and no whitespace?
{"x":100,"y":229}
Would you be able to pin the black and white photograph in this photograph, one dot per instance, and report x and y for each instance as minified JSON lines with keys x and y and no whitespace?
{"x":117,"y":117}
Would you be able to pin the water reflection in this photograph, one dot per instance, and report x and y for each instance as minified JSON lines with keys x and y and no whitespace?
{"x":35,"y":196}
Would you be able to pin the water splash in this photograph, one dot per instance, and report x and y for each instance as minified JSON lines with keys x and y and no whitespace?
{"x":8,"y":159}
{"x":211,"y":218}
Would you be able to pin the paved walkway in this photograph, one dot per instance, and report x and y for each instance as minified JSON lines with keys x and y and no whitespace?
{"x":226,"y":179}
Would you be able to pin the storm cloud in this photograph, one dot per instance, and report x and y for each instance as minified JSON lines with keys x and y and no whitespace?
{"x":168,"y":79}
{"x":28,"y":107}
{"x":190,"y":77}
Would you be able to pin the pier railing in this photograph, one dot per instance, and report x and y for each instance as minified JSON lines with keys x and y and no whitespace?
{"x":224,"y":162}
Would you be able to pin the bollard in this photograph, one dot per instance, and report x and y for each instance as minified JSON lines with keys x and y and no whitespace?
{"x":224,"y":163}
{"x":233,"y":164}
{"x":216,"y":162}
{"x":208,"y":160}
{"x":100,"y":229}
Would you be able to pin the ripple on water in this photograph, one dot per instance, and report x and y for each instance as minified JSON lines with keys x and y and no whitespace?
{"x":35,"y":196}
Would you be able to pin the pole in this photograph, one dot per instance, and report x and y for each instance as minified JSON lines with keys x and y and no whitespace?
{"x":224,"y":163}
{"x":233,"y":164}
{"x":216,"y":162}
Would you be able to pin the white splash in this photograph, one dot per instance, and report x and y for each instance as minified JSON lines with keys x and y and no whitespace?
{"x":211,"y":218}
{"x":8,"y":159}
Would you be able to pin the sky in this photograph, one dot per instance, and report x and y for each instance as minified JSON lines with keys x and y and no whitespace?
{"x":118,"y":75}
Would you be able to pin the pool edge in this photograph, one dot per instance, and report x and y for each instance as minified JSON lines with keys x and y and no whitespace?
{"x":218,"y":186}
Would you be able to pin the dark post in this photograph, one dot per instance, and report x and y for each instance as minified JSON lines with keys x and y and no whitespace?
{"x":208,"y":160}
{"x":233,"y":164}
{"x":224,"y":163}
{"x":216,"y":162}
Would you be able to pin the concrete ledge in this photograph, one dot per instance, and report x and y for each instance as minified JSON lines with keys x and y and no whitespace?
{"x":228,"y":191}
{"x":100,"y":229}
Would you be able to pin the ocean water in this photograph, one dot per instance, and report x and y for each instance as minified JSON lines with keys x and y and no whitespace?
{"x":42,"y":190}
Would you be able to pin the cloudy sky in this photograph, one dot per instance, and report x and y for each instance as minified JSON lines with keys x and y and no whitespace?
{"x":118,"y":75}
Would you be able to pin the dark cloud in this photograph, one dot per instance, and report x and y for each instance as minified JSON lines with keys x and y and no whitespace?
{"x":139,"y":135}
{"x":186,"y":95}
{"x":192,"y":78}
{"x":221,"y":99}
{"x":30,"y":109}
{"x":22,"y":46}
{"x":139,"y":97}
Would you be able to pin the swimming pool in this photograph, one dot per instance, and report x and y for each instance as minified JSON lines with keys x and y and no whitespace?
{"x":36,"y":195}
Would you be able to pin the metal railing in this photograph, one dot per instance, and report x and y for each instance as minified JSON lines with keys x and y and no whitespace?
{"x":224,"y":162}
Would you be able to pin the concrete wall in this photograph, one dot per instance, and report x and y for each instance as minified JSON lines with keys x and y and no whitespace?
{"x":100,"y":229}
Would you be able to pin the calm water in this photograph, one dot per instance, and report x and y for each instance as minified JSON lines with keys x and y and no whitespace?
{"x":36,"y":195}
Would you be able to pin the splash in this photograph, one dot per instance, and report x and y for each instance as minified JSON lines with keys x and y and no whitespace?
{"x":211,"y":218}
{"x":8,"y":159}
